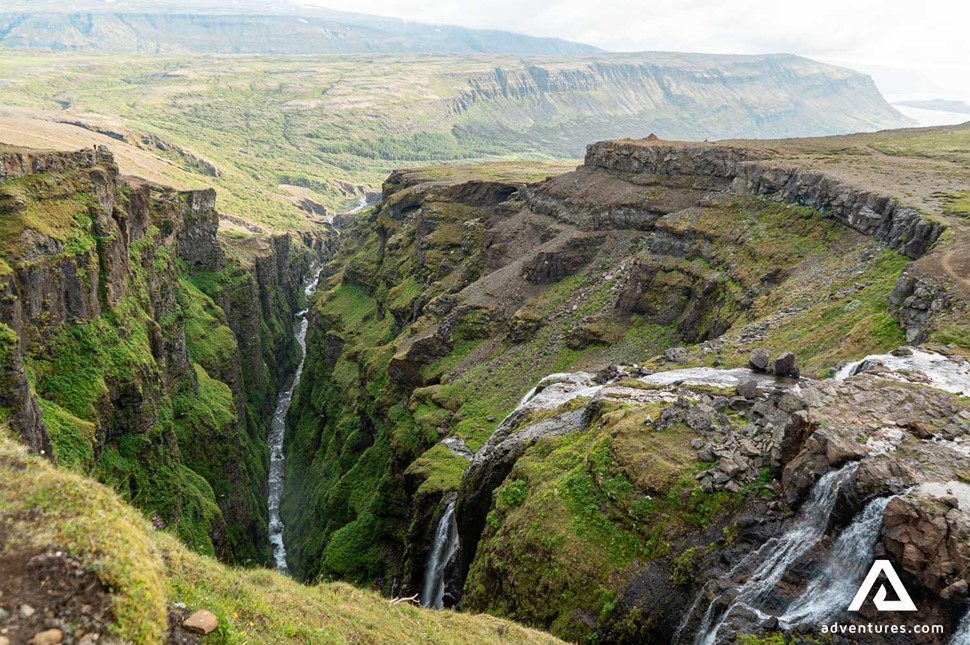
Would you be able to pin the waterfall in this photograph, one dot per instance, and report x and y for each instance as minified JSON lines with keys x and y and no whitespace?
{"x":962,"y":635}
{"x":442,"y":551}
{"x":777,"y":555}
{"x":276,"y":435}
{"x":833,"y":589}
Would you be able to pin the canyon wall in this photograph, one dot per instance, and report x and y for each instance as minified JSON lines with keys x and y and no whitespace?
{"x":139,"y":350}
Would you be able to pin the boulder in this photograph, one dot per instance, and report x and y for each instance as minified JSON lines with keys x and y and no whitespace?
{"x":592,"y":330}
{"x":785,"y":365}
{"x":49,"y":637}
{"x":759,"y":360}
{"x":676,"y":355}
{"x":748,"y":389}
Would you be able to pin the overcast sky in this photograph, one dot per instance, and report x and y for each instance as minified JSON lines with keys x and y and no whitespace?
{"x":913,"y":48}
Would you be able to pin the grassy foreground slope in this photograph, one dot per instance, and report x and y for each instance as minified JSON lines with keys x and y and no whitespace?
{"x":44,"y":510}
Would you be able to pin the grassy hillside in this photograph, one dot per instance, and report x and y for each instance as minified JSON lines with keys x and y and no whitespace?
{"x":287,"y":139}
{"x":74,"y":524}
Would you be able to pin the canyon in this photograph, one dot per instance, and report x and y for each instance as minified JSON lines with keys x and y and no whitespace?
{"x":656,"y":398}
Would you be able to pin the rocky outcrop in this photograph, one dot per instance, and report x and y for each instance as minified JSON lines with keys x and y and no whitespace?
{"x":748,"y":172}
{"x":21,"y":162}
{"x":197,"y":241}
{"x":930,"y":537}
{"x":914,"y":302}
{"x":553,"y":265}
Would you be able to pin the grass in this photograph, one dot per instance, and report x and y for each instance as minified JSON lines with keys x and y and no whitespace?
{"x":577,"y":511}
{"x":327,"y":127}
{"x":848,"y":327}
{"x":439,"y":470}
{"x":148,"y":571}
{"x":958,"y":204}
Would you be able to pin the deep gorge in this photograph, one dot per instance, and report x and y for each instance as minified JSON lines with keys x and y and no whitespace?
{"x":155,"y":353}
{"x":718,"y":251}
{"x":567,"y":400}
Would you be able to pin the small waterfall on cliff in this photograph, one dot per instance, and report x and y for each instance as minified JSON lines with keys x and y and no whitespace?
{"x":442,"y":551}
{"x":777,"y":555}
{"x":833,"y":589}
{"x":277,"y":434}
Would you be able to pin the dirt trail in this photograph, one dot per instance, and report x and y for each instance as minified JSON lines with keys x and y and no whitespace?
{"x":956,"y":264}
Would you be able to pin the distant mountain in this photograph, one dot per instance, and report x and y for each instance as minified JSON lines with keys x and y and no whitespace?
{"x":136,"y":26}
{"x":939,"y":105}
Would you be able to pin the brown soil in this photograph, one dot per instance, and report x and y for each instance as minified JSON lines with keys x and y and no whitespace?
{"x":61,"y":591}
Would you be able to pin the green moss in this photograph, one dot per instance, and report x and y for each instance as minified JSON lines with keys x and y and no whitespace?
{"x":55,"y":205}
{"x":149,"y":477}
{"x":75,"y":368}
{"x":209,"y":340}
{"x":439,"y":468}
{"x":72,"y":439}
{"x":9,"y":344}
{"x":686,"y":565}
{"x":577,"y":511}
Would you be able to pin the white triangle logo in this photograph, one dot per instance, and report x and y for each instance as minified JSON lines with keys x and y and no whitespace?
{"x":905,"y":603}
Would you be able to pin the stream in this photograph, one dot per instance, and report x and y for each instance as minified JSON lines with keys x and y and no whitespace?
{"x":277,"y":434}
{"x":942,"y":372}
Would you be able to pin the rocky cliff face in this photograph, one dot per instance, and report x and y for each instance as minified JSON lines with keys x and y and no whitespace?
{"x":742,"y":172}
{"x":678,"y":96}
{"x":119,"y":361}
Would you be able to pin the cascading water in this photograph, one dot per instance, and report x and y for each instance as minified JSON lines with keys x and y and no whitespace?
{"x":442,"y":551}
{"x":833,"y":589}
{"x":277,"y":434}
{"x":777,"y":555}
{"x":942,"y":372}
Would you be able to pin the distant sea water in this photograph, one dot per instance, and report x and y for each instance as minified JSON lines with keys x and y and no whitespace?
{"x":932,"y":117}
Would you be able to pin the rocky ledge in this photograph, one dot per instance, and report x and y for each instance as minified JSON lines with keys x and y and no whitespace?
{"x":753,"y":172}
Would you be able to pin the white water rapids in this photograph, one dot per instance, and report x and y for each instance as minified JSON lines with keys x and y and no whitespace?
{"x":942,"y":372}
{"x":833,"y":589}
{"x":276,"y":435}
{"x":962,"y":635}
